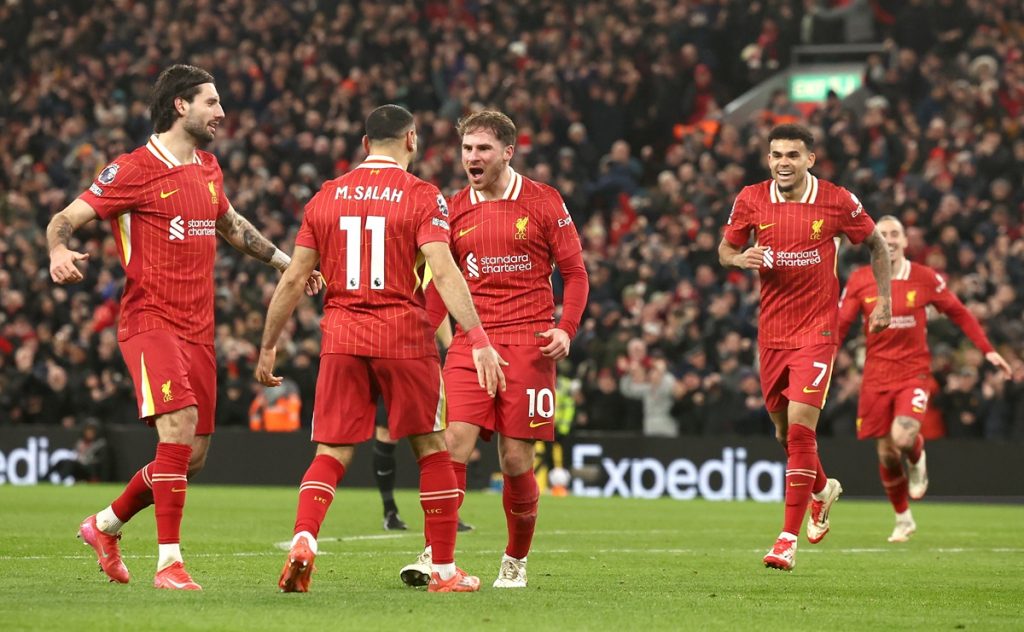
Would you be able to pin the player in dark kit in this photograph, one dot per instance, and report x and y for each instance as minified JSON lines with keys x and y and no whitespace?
{"x":165,"y":202}
{"x":894,"y":392}
{"x":372,"y":231}
{"x":797,"y":220}
{"x":508,"y":233}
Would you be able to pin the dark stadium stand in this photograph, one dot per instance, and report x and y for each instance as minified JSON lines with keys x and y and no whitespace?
{"x":618,"y":106}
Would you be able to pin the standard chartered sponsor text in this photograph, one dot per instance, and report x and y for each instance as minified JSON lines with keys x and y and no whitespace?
{"x":785,"y":258}
{"x":507,"y":263}
{"x":202,"y":227}
{"x":903,"y":322}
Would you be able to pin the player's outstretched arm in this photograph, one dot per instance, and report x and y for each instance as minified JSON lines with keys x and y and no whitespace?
{"x":286,"y":295}
{"x":881,"y":316}
{"x":455,"y":294}
{"x":241,"y":234}
{"x":63,"y":268}
{"x":749,"y":259}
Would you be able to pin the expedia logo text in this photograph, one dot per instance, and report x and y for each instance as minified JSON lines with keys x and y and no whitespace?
{"x":731,"y":477}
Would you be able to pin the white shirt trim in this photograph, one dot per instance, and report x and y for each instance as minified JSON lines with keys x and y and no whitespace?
{"x":904,"y":271}
{"x":512,"y":191}
{"x":377,"y":161}
{"x":164,"y":155}
{"x":810,"y":192}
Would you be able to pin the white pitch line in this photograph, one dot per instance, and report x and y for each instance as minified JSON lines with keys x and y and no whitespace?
{"x":540,"y":551}
{"x":287,"y":544}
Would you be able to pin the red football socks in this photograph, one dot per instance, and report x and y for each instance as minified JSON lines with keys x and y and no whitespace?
{"x":914,"y":453}
{"x":439,"y":497}
{"x":820,"y":480}
{"x":460,"y":483}
{"x":316,"y":492}
{"x":170,"y":485}
{"x":460,"y":479}
{"x":894,"y":480}
{"x":801,"y":475}
{"x":519,"y":497}
{"x":137,"y":494}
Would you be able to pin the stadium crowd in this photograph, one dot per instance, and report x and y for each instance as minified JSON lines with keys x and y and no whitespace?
{"x":618,"y":106}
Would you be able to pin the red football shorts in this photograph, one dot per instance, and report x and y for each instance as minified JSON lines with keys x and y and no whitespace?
{"x":526,"y":410}
{"x":171,"y":373}
{"x":348,"y":387}
{"x":876,"y":410}
{"x":796,"y":375}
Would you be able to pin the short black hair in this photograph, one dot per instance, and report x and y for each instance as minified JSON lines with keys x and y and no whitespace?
{"x":179,"y":80}
{"x":388,"y":122}
{"x":792,"y":131}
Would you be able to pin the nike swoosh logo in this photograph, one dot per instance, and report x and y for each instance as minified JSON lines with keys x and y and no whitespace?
{"x":178,"y":490}
{"x":538,"y":424}
{"x":379,"y":473}
{"x":799,"y":484}
{"x":165,"y":195}
{"x":520,"y":513}
{"x":176,"y":584}
{"x":764,"y":226}
{"x":811,"y":390}
{"x":466,"y":231}
{"x":871,"y":299}
{"x":103,"y":551}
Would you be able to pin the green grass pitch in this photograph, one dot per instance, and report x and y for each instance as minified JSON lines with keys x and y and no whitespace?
{"x":597,"y":564}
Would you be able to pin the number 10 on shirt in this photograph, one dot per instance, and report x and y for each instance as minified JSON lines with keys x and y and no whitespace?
{"x":353,"y":227}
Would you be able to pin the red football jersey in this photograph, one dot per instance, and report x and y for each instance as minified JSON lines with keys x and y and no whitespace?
{"x":368,"y":226}
{"x":164,"y":217}
{"x":900,"y":353}
{"x":799,"y":286}
{"x":507,"y":249}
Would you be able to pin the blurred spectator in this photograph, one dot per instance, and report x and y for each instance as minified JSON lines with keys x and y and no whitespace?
{"x":619,"y":106}
{"x":276,"y":408}
{"x":653,"y":386}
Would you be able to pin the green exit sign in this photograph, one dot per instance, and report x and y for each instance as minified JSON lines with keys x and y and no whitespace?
{"x":808,"y":87}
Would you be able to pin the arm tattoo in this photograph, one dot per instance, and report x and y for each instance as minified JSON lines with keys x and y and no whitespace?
{"x":243,"y":236}
{"x":60,"y":232}
{"x":880,"y":263}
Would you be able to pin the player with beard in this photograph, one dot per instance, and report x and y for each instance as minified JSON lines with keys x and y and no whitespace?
{"x":797,"y":220}
{"x":894,"y":396}
{"x":165,"y":202}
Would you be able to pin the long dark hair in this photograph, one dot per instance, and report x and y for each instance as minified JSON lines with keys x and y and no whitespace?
{"x":180,"y":80}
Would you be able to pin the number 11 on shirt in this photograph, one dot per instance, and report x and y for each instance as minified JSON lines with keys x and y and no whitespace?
{"x":353,"y":227}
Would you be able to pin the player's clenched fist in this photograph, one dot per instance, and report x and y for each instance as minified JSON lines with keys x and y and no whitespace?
{"x":755,"y":258}
{"x":63,"y":265}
